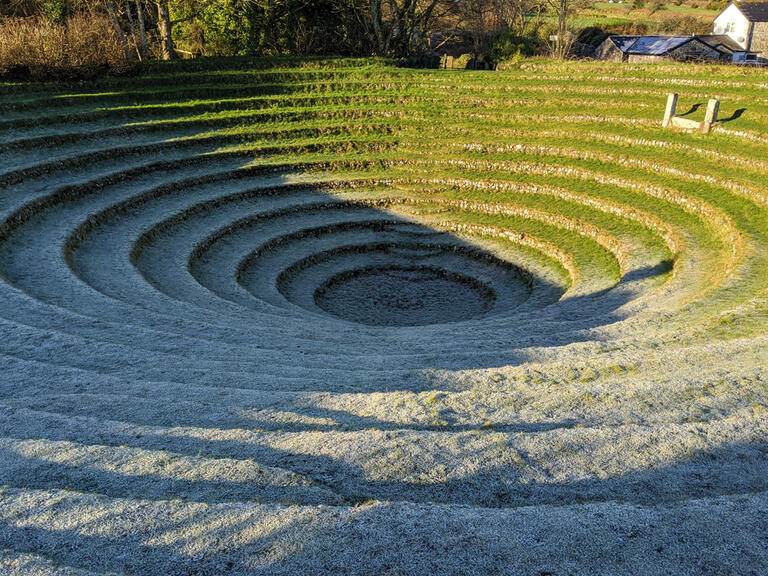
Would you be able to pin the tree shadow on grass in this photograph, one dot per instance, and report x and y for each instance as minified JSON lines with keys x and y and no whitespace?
{"x":731,"y":469}
{"x":44,"y":474}
{"x":247,"y":538}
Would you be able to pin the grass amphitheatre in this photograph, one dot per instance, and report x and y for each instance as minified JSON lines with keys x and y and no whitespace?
{"x":331,"y":316}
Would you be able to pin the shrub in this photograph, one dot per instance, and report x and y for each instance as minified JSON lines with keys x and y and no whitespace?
{"x":631,"y":29}
{"x":55,"y":11}
{"x":462,"y":61}
{"x":507,"y":46}
{"x":86,"y":47}
{"x":682,"y":24}
{"x":421,"y":60}
{"x":592,"y":36}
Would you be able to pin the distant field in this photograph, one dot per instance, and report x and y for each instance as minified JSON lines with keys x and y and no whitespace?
{"x":612,"y":15}
{"x":627,"y":7}
{"x":337,"y":317}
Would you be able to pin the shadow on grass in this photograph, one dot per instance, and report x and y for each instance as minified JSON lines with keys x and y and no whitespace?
{"x":692,"y":109}
{"x":735,"y":116}
{"x":98,"y":533}
{"x":731,"y":469}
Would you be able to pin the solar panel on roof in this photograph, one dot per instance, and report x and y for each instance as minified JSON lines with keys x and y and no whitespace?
{"x":624,"y":42}
{"x":657,"y":45}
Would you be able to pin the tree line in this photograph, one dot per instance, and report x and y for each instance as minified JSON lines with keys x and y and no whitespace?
{"x":168,"y":29}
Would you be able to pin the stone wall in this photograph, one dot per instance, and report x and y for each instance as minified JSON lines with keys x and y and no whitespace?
{"x":608,"y":51}
{"x":760,"y":40}
{"x":641,"y":58}
{"x":695,"y":50}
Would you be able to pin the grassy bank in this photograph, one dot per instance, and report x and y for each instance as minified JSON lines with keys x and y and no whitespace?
{"x":204,"y":364}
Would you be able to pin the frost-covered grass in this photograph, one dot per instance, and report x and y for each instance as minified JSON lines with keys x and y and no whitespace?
{"x":178,"y":397}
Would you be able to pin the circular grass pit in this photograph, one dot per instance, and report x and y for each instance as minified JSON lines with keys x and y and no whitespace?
{"x":404,"y":296}
{"x":287,"y":288}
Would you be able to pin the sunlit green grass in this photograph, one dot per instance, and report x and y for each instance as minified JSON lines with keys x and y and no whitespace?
{"x":591,"y":129}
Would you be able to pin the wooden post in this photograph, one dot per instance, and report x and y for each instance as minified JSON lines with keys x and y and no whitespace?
{"x":710,"y":118}
{"x":449,"y":62}
{"x":671,"y":109}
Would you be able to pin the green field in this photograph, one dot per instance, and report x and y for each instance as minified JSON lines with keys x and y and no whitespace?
{"x":653,"y":17}
{"x":338,"y":317}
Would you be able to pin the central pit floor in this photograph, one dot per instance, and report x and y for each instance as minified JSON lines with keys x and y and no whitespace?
{"x":404,"y":296}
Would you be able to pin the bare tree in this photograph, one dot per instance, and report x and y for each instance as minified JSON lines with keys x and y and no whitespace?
{"x":112,"y":11}
{"x":564,"y":11}
{"x":481,"y":18}
{"x":138,"y":37}
{"x":19,"y":8}
{"x":521,"y":16}
{"x":165,"y":27}
{"x":132,"y":27}
{"x":398,"y":24}
{"x":143,"y":49}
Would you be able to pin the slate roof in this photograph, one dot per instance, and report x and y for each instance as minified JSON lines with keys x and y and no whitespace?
{"x":623,"y":42}
{"x":721,"y":42}
{"x":754,"y":11}
{"x":660,"y":45}
{"x":656,"y":45}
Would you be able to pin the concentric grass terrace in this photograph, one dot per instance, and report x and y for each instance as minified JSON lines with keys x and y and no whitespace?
{"x":299,"y":317}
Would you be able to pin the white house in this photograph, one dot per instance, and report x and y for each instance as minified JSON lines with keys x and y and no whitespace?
{"x":746,"y":23}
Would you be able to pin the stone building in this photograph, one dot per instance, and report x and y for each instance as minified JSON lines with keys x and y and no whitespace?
{"x":746,"y":23}
{"x":739,"y":34}
{"x":656,"y":48}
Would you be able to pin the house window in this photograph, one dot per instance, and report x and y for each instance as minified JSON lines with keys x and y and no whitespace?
{"x":730,"y":27}
{"x":751,"y":56}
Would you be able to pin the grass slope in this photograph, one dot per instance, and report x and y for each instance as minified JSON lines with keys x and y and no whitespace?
{"x":178,"y":397}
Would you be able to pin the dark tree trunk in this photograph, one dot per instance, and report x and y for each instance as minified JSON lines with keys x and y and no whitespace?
{"x":378,"y":31}
{"x":132,"y":28}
